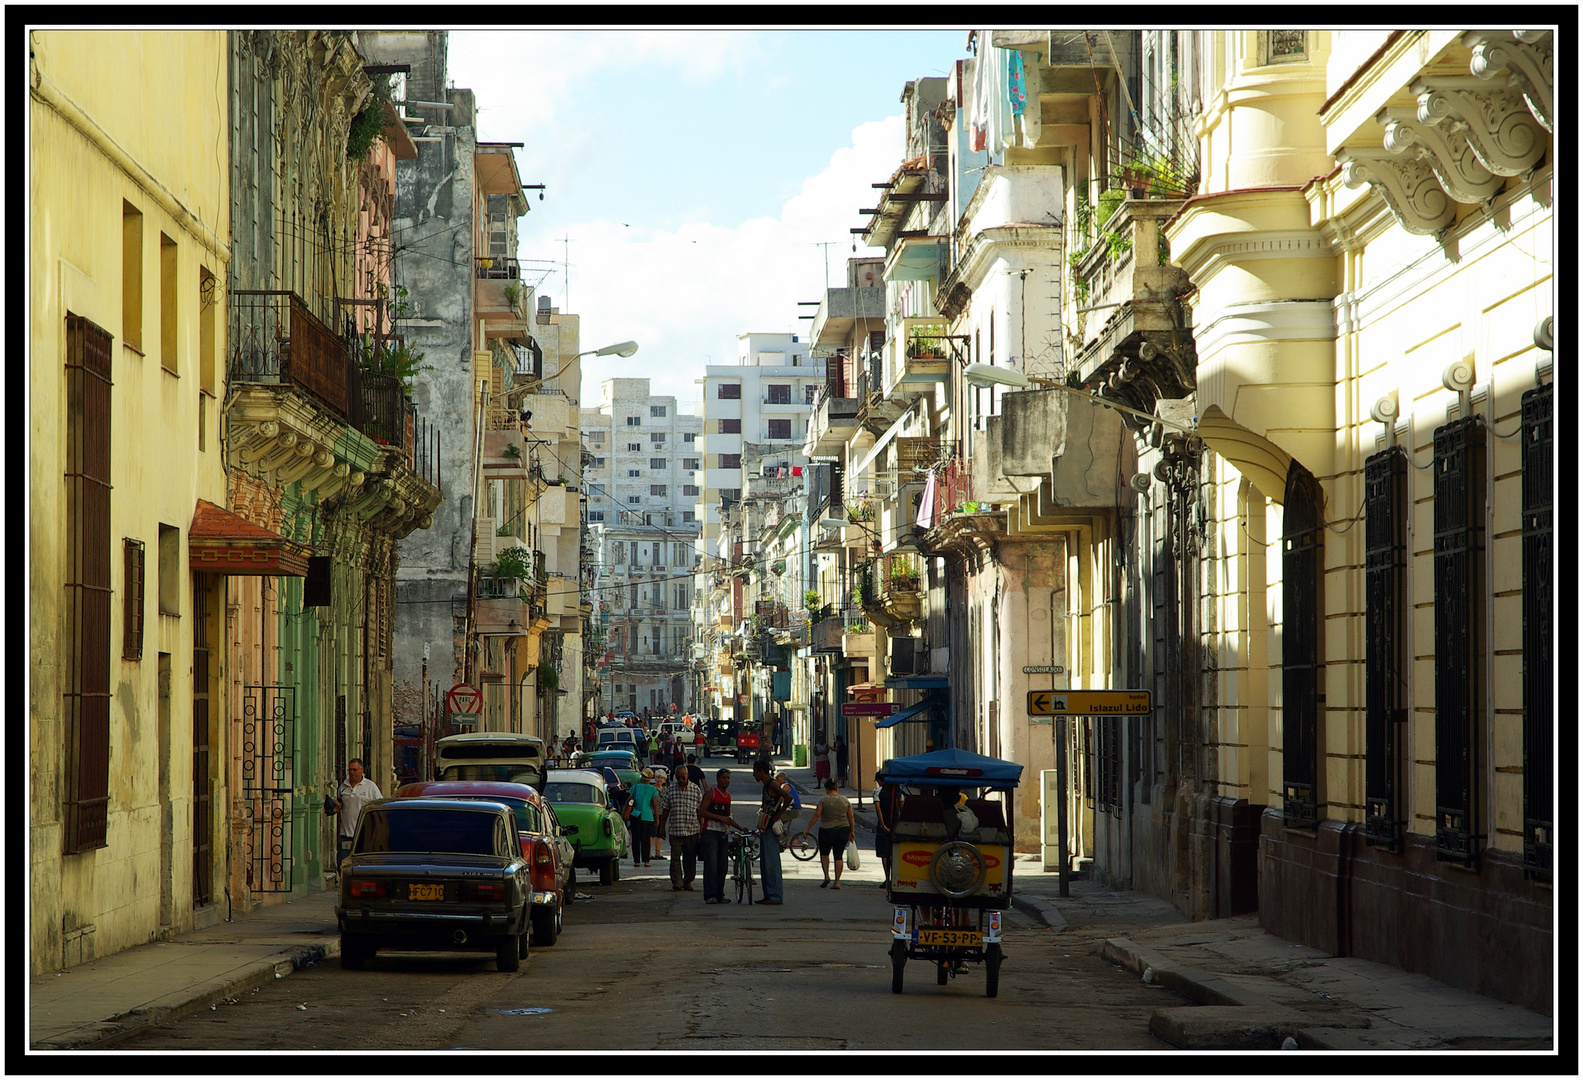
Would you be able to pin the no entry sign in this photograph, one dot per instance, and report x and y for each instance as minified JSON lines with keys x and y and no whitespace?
{"x":464,"y":698}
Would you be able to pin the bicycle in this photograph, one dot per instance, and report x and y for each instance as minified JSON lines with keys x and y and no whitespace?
{"x":743,"y":850}
{"x":801,"y":847}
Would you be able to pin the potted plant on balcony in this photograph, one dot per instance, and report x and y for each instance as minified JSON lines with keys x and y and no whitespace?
{"x":923,"y":343}
{"x":512,"y":451}
{"x":904,"y":576}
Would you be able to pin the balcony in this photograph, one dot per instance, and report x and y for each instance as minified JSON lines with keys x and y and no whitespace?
{"x":923,"y":355}
{"x":500,"y":299}
{"x":827,"y":635}
{"x":503,"y":606}
{"x":890,"y":591}
{"x":505,"y":459}
{"x":1125,"y":280}
{"x":832,"y":421}
{"x":276,"y":340}
{"x":856,"y":642}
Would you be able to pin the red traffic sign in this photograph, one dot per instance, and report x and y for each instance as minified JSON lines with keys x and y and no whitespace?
{"x":464,"y":698}
{"x":869,"y":708}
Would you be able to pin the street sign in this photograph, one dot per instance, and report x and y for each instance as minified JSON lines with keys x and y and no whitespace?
{"x":465,"y":719}
{"x":1088,"y":703}
{"x":1043,"y":669}
{"x":869,"y":708}
{"x":464,"y":698}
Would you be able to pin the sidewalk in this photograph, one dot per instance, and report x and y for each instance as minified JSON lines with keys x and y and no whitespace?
{"x":1251,"y":990}
{"x":97,"y":1004}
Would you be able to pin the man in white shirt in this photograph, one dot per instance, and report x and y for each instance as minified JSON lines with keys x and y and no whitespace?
{"x":356,"y":791}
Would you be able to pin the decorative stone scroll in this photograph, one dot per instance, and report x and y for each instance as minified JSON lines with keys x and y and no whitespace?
{"x":1528,"y":58}
{"x":1451,"y":159}
{"x":1493,"y":119}
{"x":1408,"y":186}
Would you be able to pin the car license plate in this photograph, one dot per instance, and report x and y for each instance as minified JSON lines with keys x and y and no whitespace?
{"x":950,"y":937}
{"x":425,"y":891}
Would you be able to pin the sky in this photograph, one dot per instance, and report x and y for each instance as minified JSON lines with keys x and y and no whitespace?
{"x":691,"y":175}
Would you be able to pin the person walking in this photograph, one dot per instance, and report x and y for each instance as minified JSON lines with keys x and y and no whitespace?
{"x":776,"y":800}
{"x":841,"y":755}
{"x":695,"y":772}
{"x":836,"y":822}
{"x":714,"y":814}
{"x":679,"y":820}
{"x":887,"y":806}
{"x":821,"y":757}
{"x":356,"y":791}
{"x":643,"y":798}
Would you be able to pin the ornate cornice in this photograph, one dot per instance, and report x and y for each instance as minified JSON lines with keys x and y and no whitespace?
{"x":1493,"y":119}
{"x":279,"y":438}
{"x":1527,"y":57}
{"x":1451,"y":159}
{"x":1407,"y":185}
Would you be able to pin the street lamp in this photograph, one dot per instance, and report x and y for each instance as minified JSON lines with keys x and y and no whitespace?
{"x":985,"y":375}
{"x":620,"y":348}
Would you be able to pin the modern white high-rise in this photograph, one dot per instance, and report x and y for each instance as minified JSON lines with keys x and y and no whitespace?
{"x":641,"y":454}
{"x":755,"y":415}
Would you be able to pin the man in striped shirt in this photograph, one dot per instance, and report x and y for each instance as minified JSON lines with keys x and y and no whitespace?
{"x":678,"y":817}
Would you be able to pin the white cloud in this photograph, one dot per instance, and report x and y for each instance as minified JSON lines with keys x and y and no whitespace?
{"x":686,"y":294}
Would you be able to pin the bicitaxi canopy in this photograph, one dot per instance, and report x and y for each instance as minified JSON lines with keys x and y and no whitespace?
{"x":952,"y":768}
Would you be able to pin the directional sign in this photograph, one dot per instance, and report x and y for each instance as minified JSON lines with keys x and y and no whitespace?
{"x":869,"y":708}
{"x":464,"y":698}
{"x":1043,"y":669}
{"x":1088,"y":702}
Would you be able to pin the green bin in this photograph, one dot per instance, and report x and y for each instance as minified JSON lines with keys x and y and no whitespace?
{"x":799,"y":756}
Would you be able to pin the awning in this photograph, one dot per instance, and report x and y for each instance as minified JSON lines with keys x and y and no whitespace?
{"x":913,"y":713}
{"x":1261,"y":461}
{"x":879,"y":446}
{"x":220,"y":542}
{"x":917,"y":682}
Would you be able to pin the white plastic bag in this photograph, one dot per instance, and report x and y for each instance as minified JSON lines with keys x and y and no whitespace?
{"x":852,"y":860}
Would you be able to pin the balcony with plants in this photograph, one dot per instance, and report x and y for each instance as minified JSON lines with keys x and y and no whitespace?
{"x":511,"y":593}
{"x":923,"y":353}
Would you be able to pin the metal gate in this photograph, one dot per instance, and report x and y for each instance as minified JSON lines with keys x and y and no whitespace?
{"x":269,"y":715}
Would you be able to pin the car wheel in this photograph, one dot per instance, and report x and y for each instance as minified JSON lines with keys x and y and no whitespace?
{"x":508,"y":956}
{"x":353,"y":952}
{"x":546,"y":925}
{"x":615,"y":868}
{"x":607,"y":871}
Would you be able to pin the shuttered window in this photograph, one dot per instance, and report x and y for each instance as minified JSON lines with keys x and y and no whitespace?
{"x":86,"y":652}
{"x":1459,"y":621}
{"x":132,"y":602}
{"x":1302,"y":693}
{"x":1385,"y":511}
{"x":1538,"y":657}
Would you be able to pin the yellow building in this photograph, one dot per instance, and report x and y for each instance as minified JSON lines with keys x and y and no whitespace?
{"x":129,"y":223}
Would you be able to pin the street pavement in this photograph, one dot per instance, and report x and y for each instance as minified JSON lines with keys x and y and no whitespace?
{"x":1250,"y":990}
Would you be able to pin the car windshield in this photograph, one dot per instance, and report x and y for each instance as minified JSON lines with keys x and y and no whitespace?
{"x":565,"y":791}
{"x":506,"y":774}
{"x":456,"y":831}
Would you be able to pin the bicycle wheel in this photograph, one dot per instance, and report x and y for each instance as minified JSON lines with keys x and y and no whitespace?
{"x":803,"y":847}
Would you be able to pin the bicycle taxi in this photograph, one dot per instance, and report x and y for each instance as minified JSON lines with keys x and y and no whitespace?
{"x":950,"y":873}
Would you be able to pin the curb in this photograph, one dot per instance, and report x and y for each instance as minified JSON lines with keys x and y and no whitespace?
{"x":118,"y":1029}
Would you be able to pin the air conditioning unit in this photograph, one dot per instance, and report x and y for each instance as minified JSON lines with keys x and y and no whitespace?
{"x":904,"y":656}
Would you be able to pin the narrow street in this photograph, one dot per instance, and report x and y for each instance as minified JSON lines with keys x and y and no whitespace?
{"x":640,"y":966}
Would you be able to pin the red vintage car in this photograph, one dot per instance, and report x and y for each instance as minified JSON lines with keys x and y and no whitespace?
{"x":548,"y":852}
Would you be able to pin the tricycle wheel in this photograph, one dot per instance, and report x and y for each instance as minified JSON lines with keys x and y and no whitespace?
{"x":942,"y":971}
{"x":898,"y":960}
{"x":992,"y":971}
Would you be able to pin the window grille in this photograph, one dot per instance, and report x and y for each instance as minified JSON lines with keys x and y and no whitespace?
{"x":1302,"y":694}
{"x":1385,"y":497}
{"x":1459,"y":596}
{"x":1538,"y":658}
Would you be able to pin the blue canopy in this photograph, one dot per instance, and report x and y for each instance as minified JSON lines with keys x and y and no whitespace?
{"x":952,"y":768}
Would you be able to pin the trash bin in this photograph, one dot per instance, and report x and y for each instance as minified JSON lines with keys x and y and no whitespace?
{"x":799,"y":756}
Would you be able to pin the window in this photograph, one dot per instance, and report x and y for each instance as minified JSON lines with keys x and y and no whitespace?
{"x":131,"y":276}
{"x":167,"y":304}
{"x":657,"y":410}
{"x":1538,"y":657}
{"x":634,"y":421}
{"x":733,"y":494}
{"x":599,"y":462}
{"x":656,"y":463}
{"x":689,"y":489}
{"x":728,"y":391}
{"x":596,"y":515}
{"x":689,"y":516}
{"x":689,"y":436}
{"x":730,"y":427}
{"x":1302,"y":688}
{"x":208,"y":309}
{"x":691,"y":463}
{"x":778,"y":394}
{"x":86,"y":596}
{"x":132,"y":609}
{"x":778,"y":429}
{"x":656,"y":489}
{"x":633,"y":500}
{"x":730,"y":461}
{"x":1459,"y":644}
{"x":657,"y":437}
{"x":169,"y":570}
{"x":635,"y":447}
{"x":810,"y":392}
{"x":1385,"y":545}
{"x":634,"y":473}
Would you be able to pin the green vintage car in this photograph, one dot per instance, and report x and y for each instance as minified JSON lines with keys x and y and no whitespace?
{"x":623,"y":761}
{"x":588,"y":820}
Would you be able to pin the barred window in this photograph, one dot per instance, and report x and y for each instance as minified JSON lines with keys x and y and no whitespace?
{"x":1302,"y":687}
{"x":1538,"y":658}
{"x":133,"y":609}
{"x":1385,"y":517}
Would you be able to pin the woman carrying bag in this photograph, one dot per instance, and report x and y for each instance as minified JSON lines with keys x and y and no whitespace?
{"x":835,"y":809}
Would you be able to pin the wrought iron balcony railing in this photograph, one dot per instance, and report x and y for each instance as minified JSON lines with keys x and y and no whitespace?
{"x":276,"y":339}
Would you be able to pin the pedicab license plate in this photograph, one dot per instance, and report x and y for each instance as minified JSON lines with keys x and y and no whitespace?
{"x":425,"y":891}
{"x":949,"y":937}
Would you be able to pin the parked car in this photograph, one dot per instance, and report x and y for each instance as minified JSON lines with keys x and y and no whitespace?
{"x":583,"y":807}
{"x":720,"y":738}
{"x":435,"y":874}
{"x":544,"y":844}
{"x":624,"y":762}
{"x":491,"y":755}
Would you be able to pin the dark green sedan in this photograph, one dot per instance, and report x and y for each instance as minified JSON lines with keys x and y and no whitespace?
{"x":588,"y":820}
